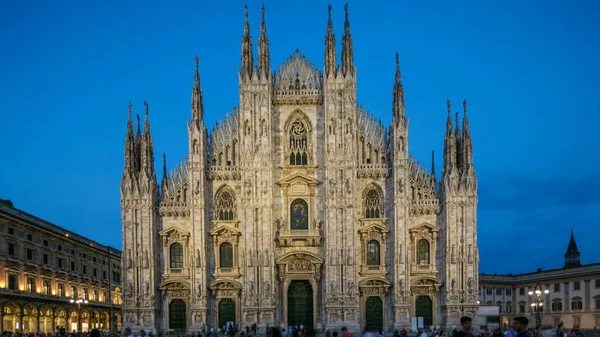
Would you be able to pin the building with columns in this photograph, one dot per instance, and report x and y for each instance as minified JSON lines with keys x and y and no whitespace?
{"x":573,"y":296}
{"x":43,"y":267}
{"x":299,"y":207}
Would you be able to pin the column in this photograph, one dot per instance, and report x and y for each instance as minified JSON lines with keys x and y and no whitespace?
{"x":38,"y":321}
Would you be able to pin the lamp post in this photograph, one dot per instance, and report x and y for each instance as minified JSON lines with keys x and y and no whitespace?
{"x":538,"y":303}
{"x":79,"y":301}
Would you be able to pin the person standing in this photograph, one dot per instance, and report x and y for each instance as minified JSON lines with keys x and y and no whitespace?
{"x":519,"y":324}
{"x":466,"y":323}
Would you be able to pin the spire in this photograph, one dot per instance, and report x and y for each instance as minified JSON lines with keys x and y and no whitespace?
{"x":139,"y":130}
{"x":433,"y":163}
{"x":197,"y":101}
{"x":459,"y":144}
{"x":466,"y":140}
{"x":572,"y":256}
{"x":347,"y":53}
{"x":147,"y":121}
{"x":330,"y":55}
{"x":247,"y":58}
{"x":398,"y":108}
{"x":264,"y":68}
{"x":129,"y":144}
{"x":164,"y":184}
{"x":449,"y":144}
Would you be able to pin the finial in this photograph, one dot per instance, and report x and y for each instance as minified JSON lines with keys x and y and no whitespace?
{"x":465,"y":106}
{"x":346,"y":10}
{"x":397,"y":60}
{"x":329,"y":11}
{"x":572,"y":231}
{"x":262,"y":9}
{"x":146,"y":105}
{"x":457,"y":121}
{"x":448,"y":106}
{"x":196,"y":63}
{"x":164,"y":165}
{"x":130,"y":109}
{"x":246,"y":11}
{"x":433,"y":163}
{"x":137,"y":116}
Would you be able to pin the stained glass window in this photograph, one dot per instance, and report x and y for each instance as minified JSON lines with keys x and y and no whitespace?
{"x":176,"y":255}
{"x":298,"y":144}
{"x":299,"y":214}
{"x":225,"y":205}
{"x":373,"y":204}
{"x":373,"y":255}
{"x":423,"y":252}
{"x":226,"y":255}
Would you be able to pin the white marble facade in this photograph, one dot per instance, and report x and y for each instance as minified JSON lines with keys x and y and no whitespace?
{"x":299,"y":206}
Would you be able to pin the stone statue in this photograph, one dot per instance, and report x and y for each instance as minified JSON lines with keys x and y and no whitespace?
{"x":400,"y":253}
{"x":331,"y":288}
{"x":250,"y":288}
{"x":199,"y":293}
{"x":469,"y":256}
{"x":452,"y":286}
{"x":129,"y":289}
{"x":266,"y":287}
{"x":198,"y":259}
{"x":147,"y":289}
{"x":348,"y":187}
{"x":470,"y":285}
{"x":129,"y":260}
{"x":197,"y":190}
{"x":400,"y":186}
{"x":452,"y":257}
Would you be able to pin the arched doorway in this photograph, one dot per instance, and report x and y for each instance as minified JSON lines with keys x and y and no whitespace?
{"x":226,"y":312}
{"x":300,"y":304}
{"x":424,"y":308}
{"x":177,"y":315}
{"x":374,"y":314}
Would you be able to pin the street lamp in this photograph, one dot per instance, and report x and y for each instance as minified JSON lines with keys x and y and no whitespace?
{"x":538,"y":303}
{"x":79,"y":301}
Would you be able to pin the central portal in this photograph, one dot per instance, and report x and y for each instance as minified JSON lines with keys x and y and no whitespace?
{"x":177,"y":315}
{"x":300,"y":304}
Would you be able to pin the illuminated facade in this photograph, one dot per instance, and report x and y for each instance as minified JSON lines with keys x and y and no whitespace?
{"x":573,"y":296}
{"x":43,"y":267}
{"x":299,"y":207}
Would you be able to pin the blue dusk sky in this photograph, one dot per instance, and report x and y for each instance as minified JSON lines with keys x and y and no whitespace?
{"x":529,"y":69}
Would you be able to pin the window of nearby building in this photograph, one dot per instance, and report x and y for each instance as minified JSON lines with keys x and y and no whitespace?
{"x":94,"y":259}
{"x":85,"y":294}
{"x":556,"y":287}
{"x":521,"y":292}
{"x":556,"y":305}
{"x":29,"y":237}
{"x":576,"y":321}
{"x":576,"y":303}
{"x":30,"y":285}
{"x":489,"y":291}
{"x":597,"y":283}
{"x":59,"y":247}
{"x":73,"y":252}
{"x":103,"y":299}
{"x":508,"y":307}
{"x":576,"y":285}
{"x":226,"y":255}
{"x":95,"y":295}
{"x":508,"y":292}
{"x":11,"y":249}
{"x":11,"y":231}
{"x":499,"y":304}
{"x":45,"y":257}
{"x":12,"y":282}
{"x":489,"y":303}
{"x":597,"y":298}
{"x":521,"y":307}
{"x":84,"y":255}
{"x":73,"y":292}
{"x":61,"y":290}
{"x":60,"y":262}
{"x":498,"y":291}
{"x":72,"y":266}
{"x":46,"y":243}
{"x":84,"y":269}
{"x":29,"y":254}
{"x":176,"y":255}
{"x":46,"y":287}
{"x":423,"y":252}
{"x":104,"y":274}
{"x":95,"y":272}
{"x":373,"y":253}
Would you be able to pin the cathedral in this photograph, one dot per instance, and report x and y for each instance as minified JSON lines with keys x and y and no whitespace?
{"x":299,"y":207}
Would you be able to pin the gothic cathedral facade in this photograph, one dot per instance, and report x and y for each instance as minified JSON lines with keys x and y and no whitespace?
{"x":299,"y":207}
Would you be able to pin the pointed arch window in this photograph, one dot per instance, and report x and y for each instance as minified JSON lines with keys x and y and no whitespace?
{"x":423,"y":252}
{"x":176,"y":255}
{"x":225,"y":205}
{"x":373,"y":203}
{"x":373,"y":253}
{"x":226,"y":255}
{"x":12,"y":282}
{"x":298,"y":144}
